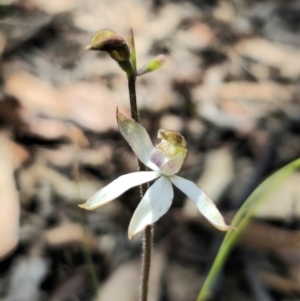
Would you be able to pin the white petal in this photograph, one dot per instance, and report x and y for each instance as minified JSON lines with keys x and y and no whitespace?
{"x":138,"y":138}
{"x":202,"y":201}
{"x":155,"y":203}
{"x":117,"y":187}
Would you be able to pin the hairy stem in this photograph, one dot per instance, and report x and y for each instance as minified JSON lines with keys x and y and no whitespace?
{"x":146,"y":262}
{"x":147,"y":237}
{"x":132,"y":97}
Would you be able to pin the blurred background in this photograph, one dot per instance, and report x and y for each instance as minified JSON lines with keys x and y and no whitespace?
{"x":230,"y":85}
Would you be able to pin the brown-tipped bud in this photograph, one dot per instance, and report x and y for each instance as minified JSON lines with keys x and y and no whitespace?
{"x":115,"y":45}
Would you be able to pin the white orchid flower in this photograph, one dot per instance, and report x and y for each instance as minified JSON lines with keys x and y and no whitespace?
{"x":165,"y":161}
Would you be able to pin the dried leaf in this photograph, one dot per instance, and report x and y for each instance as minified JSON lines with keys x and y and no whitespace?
{"x":92,"y":106}
{"x":35,"y":96}
{"x":70,"y":190}
{"x":67,"y":234}
{"x":273,"y":55}
{"x":26,"y":278}
{"x":51,"y":129}
{"x":126,"y":279}
{"x":198,"y":36}
{"x":54,"y":7}
{"x":9,"y":200}
{"x":283,"y":203}
{"x":279,"y":283}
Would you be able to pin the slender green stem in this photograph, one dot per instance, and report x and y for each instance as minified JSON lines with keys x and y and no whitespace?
{"x":148,"y":236}
{"x":241,"y":221}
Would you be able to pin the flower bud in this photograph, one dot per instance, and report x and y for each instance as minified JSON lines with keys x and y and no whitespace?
{"x":153,"y":65}
{"x":107,"y":40}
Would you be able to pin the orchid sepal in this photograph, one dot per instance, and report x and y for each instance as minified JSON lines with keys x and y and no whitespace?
{"x":138,"y":139}
{"x":155,"y":203}
{"x":118,"y":187}
{"x":204,"y":204}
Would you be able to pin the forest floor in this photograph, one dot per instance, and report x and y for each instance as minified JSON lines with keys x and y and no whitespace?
{"x":230,"y":85}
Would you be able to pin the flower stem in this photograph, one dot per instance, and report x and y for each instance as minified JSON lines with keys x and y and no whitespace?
{"x":132,"y":96}
{"x":147,"y":237}
{"x":146,"y":262}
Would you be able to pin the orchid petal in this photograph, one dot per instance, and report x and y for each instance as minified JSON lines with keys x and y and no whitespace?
{"x":138,"y":138}
{"x":202,"y":201}
{"x":155,"y":203}
{"x":117,"y":187}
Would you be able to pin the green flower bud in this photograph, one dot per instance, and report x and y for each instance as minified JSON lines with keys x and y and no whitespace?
{"x":153,"y":65}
